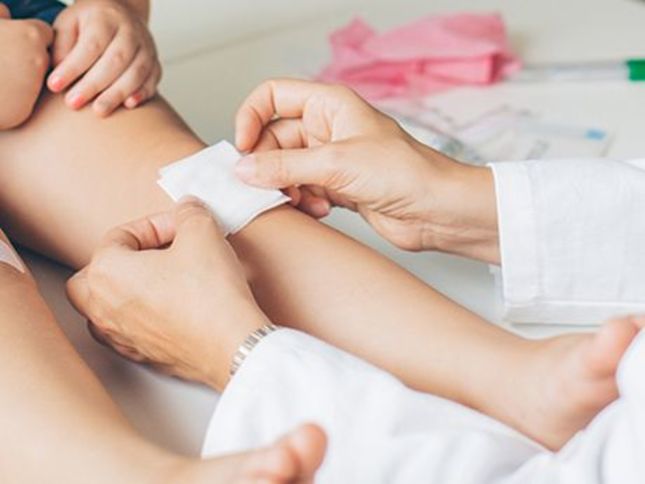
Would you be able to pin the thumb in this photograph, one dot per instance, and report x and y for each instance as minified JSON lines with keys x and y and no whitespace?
{"x":151,"y":232}
{"x":5,"y":14}
{"x":285,"y":168}
{"x":194,"y":223}
{"x":78,"y":292}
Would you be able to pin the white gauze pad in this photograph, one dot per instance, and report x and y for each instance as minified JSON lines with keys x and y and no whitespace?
{"x":8,"y":256}
{"x":209,"y":175}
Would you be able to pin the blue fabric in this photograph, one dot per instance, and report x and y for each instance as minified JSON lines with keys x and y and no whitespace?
{"x":45,"y":10}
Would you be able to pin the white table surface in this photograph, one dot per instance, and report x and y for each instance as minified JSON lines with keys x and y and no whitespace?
{"x":207,"y":84}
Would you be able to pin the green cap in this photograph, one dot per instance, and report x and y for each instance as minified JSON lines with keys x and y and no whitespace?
{"x":636,"y":69}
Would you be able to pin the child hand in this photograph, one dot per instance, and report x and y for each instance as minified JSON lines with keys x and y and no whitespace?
{"x":24,"y":60}
{"x":105,"y":49}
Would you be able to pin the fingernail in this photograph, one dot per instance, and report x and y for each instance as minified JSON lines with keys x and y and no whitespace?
{"x":75,"y":100}
{"x":55,"y":83}
{"x":246,"y":168}
{"x":8,"y":256}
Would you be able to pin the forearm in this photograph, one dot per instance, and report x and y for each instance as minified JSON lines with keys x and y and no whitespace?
{"x":303,"y":273}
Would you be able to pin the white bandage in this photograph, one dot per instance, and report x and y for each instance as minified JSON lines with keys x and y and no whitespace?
{"x":209,"y":175}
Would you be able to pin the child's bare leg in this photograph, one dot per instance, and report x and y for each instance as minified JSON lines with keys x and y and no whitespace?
{"x":58,"y":424}
{"x":66,"y":177}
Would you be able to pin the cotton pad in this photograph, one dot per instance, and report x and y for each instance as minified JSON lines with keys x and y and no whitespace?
{"x":209,"y":175}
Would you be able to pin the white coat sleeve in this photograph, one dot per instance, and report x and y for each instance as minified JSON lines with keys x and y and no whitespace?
{"x":572,"y":239}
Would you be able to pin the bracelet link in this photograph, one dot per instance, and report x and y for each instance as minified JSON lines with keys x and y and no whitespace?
{"x":248,"y":344}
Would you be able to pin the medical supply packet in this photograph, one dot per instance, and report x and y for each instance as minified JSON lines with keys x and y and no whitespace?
{"x":501,"y":134}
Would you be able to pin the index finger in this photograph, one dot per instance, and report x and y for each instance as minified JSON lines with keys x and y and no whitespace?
{"x":285,"y":98}
{"x":152,"y":232}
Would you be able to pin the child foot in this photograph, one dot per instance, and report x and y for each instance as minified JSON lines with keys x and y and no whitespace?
{"x":572,"y":379}
{"x":293,"y":459}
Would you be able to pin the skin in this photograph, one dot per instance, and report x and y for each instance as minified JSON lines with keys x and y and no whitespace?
{"x":302,"y":273}
{"x":146,"y":270}
{"x":103,"y":54}
{"x":327,"y":147}
{"x":55,"y":398}
{"x":105,"y":292}
{"x":22,"y":68}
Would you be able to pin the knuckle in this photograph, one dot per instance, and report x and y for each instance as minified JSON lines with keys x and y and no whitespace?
{"x":142,"y":70}
{"x":119,"y":57}
{"x":41,"y":61}
{"x":94,"y":45}
{"x":279,"y":169}
{"x":33,"y":33}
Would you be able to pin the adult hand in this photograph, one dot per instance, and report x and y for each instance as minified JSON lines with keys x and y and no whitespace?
{"x":104,"y":48}
{"x":183,"y":308}
{"x":326,"y":146}
{"x":24,"y":61}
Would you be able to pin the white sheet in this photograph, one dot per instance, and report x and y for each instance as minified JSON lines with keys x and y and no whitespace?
{"x":382,"y":432}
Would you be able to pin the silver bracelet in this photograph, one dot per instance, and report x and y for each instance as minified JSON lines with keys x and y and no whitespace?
{"x":248,"y":344}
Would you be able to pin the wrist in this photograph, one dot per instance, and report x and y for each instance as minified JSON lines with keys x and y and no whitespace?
{"x":461,"y":212}
{"x":245,"y":320}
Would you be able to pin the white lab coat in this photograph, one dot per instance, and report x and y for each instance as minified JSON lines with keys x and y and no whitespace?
{"x":572,"y":239}
{"x":573,"y":249}
{"x":382,"y":432}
